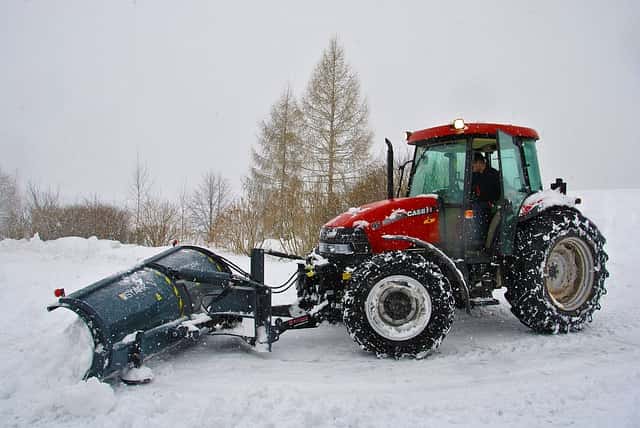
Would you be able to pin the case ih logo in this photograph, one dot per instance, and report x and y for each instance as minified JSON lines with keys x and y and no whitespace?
{"x":420,"y":211}
{"x":400,"y":214}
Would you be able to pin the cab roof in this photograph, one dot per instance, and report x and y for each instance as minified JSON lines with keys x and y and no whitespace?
{"x":481,"y":129}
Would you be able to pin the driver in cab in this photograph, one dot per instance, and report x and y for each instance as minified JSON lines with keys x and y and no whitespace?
{"x":485,"y":181}
{"x":485,"y":188}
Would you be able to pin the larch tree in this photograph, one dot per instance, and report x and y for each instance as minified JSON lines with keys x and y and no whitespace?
{"x":277,"y":168}
{"x":337,"y":133}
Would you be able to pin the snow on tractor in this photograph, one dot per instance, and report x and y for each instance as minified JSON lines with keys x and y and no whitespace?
{"x":475,"y":219}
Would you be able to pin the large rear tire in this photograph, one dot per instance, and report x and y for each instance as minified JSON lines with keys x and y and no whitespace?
{"x":556,"y":280}
{"x":398,"y":305}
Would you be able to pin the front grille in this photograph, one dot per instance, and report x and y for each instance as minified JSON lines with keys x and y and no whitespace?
{"x":356,"y":237}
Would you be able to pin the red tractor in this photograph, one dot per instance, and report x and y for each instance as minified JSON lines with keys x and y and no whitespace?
{"x":395,"y":270}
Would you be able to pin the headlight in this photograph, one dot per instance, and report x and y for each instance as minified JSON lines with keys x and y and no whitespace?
{"x":458,"y":124}
{"x":326,"y":248}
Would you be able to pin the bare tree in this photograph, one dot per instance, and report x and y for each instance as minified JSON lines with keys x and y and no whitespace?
{"x":139,"y":191}
{"x":336,"y":126}
{"x":185,"y":233}
{"x":372,"y":185}
{"x":44,"y":212}
{"x":8,"y":194}
{"x":315,"y":215}
{"x":242,"y":222}
{"x":208,"y":202}
{"x":14,"y":221}
{"x":158,"y":223}
{"x":94,"y":218}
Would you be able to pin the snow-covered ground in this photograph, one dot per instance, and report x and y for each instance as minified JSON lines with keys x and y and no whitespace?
{"x":491,"y":370}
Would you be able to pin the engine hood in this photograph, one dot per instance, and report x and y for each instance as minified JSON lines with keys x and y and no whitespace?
{"x":416,"y":217}
{"x":385,"y":211}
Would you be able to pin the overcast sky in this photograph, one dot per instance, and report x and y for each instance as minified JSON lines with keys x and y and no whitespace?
{"x":86,"y":85}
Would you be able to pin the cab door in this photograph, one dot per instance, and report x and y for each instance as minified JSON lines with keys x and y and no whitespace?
{"x":514,"y":189}
{"x":440,"y":169}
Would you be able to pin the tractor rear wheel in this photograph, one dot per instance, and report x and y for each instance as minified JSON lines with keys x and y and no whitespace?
{"x":398,"y":305}
{"x":556,"y":280}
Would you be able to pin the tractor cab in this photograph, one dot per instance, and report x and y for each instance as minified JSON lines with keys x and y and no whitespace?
{"x":443,"y":166}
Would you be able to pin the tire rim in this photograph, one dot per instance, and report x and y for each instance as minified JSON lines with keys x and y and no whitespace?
{"x":569,"y":273}
{"x":398,"y":307}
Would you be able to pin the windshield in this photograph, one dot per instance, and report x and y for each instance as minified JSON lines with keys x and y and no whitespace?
{"x":440,"y":169}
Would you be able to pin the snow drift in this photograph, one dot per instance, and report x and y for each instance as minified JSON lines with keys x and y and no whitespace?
{"x":490,"y":371}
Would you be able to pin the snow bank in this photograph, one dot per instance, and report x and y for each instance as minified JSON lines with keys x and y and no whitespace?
{"x":489,"y":371}
{"x":46,"y":354}
{"x":43,"y":362}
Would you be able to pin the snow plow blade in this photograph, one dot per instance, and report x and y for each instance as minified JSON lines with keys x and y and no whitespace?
{"x":167,"y":299}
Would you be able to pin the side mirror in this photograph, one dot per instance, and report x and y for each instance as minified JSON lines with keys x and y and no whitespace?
{"x":560,"y":185}
{"x":401,"y":169}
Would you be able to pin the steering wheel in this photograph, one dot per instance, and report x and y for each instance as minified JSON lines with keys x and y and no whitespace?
{"x":450,"y":193}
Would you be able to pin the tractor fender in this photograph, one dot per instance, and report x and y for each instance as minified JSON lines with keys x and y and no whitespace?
{"x":446,"y":264}
{"x":538,"y":202}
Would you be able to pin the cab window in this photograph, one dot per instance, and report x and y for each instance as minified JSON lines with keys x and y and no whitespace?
{"x":439,"y":169}
{"x":489,"y":148}
{"x":533,"y":169}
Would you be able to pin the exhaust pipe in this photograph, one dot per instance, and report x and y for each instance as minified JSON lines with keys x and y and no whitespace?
{"x":389,"y":169}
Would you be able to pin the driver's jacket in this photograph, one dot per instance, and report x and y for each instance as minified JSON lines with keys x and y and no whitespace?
{"x":486,"y":185}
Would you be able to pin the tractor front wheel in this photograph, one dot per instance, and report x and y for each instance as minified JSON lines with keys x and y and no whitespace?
{"x":398,"y":305}
{"x":556,"y":279}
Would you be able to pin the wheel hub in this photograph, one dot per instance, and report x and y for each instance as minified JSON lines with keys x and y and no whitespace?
{"x":569,"y":273}
{"x":398,"y":307}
